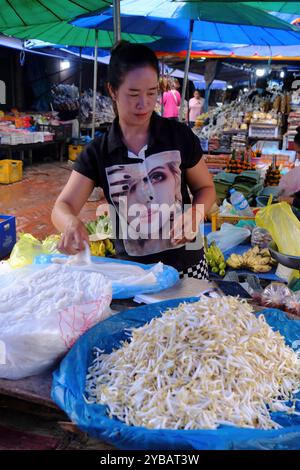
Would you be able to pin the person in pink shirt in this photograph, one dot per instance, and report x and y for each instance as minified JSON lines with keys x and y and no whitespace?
{"x":195,"y":108}
{"x":171,"y":102}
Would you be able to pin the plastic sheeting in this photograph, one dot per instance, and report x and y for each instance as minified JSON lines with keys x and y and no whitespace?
{"x":69,"y":385}
{"x":165,"y":279}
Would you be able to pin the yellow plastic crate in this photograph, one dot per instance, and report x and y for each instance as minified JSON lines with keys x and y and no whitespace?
{"x":11,"y":171}
{"x":217,"y":220}
{"x":74,"y":151}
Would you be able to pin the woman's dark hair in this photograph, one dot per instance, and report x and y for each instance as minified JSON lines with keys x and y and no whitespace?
{"x":297,"y":136}
{"x":126,"y":57}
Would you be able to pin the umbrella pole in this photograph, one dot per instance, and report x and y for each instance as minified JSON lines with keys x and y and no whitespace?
{"x":95,"y":83}
{"x":186,"y":71}
{"x":80,"y":70}
{"x":162,"y":94}
{"x":80,"y":89}
{"x":117,"y":21}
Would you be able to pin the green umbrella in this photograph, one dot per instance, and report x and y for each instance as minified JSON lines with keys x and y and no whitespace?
{"x":29,"y":12}
{"x":65,"y":34}
{"x":30,"y":19}
{"x":61,"y":32}
{"x":292,"y":8}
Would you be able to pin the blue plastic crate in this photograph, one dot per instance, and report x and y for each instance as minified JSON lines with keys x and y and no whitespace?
{"x":8,"y":234}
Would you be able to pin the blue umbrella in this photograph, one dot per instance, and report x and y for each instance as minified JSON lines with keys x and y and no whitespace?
{"x":179,"y":29}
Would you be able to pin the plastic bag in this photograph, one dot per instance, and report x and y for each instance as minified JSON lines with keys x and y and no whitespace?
{"x":283,"y":226}
{"x":69,"y":382}
{"x":28,"y":247}
{"x":260,"y":237}
{"x":275,"y":295}
{"x":166,"y":277}
{"x":229,"y":236}
{"x":42,"y":316}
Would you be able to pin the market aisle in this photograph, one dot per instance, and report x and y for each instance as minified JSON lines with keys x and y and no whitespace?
{"x":31,"y":200}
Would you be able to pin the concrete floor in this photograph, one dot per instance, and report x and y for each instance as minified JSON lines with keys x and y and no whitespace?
{"x":31,"y":200}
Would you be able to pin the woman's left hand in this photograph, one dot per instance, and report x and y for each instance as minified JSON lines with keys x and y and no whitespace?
{"x":186,"y":227}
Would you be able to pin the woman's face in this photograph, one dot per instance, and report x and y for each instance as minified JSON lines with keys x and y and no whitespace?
{"x":197,"y":95}
{"x":137,"y":95}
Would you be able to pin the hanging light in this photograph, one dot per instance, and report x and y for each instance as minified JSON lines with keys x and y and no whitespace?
{"x":282,"y":74}
{"x":260,"y":72}
{"x":229,"y":87}
{"x":64,"y":64}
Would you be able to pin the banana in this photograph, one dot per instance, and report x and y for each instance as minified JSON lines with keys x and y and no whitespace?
{"x":109,"y":246}
{"x":215,"y":258}
{"x":254,"y":259}
{"x":262,"y":268}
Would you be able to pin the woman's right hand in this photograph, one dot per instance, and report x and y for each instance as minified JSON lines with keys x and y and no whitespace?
{"x":73,"y":238}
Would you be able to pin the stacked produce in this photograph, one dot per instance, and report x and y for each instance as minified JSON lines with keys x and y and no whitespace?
{"x":255,"y":259}
{"x":238,"y":165}
{"x":273,"y":176}
{"x":233,"y":165}
{"x":215,"y":259}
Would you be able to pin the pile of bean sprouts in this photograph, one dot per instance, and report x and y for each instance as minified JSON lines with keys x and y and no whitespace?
{"x":198,"y":366}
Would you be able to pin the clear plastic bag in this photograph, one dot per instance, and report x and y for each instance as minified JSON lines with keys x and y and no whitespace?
{"x":229,"y":236}
{"x":276,"y":295}
{"x":43,"y":315}
{"x":260,"y":237}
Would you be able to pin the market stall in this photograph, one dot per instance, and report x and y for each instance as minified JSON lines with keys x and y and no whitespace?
{"x":203,"y":364}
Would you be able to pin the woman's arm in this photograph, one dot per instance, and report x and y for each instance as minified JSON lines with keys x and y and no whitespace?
{"x":66,"y":210}
{"x":201,"y":186}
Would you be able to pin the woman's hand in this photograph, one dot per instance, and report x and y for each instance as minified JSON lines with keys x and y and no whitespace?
{"x":73,"y":238}
{"x":186,"y":226}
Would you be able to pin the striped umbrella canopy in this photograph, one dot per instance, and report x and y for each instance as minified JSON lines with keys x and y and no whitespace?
{"x":35,"y":12}
{"x":292,"y":8}
{"x":63,"y":33}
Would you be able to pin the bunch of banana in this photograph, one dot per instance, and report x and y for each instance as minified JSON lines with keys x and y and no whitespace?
{"x":215,"y":258}
{"x":255,"y":259}
{"x":102,"y":248}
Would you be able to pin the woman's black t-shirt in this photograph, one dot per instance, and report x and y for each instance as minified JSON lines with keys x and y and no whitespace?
{"x":139,"y":188}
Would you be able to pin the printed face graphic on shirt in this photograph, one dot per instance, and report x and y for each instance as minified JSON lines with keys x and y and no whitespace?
{"x":147,"y":197}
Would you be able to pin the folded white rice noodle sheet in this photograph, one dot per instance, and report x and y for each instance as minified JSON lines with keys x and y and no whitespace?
{"x":117,"y":273}
{"x":42,"y":316}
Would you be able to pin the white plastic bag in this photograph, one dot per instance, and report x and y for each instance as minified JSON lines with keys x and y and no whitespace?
{"x":41,"y":317}
{"x":229,"y":236}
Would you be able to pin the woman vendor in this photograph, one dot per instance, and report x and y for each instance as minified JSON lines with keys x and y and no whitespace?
{"x":290,"y":183}
{"x":148,"y":168}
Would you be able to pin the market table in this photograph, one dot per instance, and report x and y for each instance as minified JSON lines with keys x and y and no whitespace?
{"x":22,"y":148}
